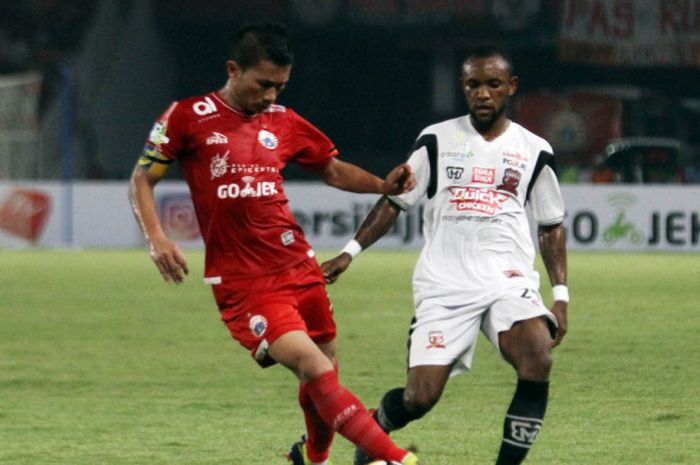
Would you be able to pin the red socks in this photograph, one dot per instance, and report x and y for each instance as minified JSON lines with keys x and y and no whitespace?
{"x":339,"y":409}
{"x":318,"y":436}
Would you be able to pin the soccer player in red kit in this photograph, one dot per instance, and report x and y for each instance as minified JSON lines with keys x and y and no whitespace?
{"x":232,"y":145}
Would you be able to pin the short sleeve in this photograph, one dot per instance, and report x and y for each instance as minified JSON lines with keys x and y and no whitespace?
{"x":546,"y":200}
{"x":421,"y":168}
{"x":166,"y":136}
{"x":311,"y":149}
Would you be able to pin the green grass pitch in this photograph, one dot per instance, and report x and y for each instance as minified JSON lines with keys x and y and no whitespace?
{"x":103,"y":363}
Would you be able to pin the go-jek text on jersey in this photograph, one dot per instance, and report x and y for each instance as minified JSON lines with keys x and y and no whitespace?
{"x":232,"y":163}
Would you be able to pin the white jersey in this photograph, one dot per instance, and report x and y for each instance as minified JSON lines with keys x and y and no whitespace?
{"x":478,"y":244}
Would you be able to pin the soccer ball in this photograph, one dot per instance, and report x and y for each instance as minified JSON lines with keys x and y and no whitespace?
{"x":383,"y":462}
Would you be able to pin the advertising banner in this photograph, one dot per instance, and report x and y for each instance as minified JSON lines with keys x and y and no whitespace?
{"x":631,"y":32}
{"x":599,"y":217}
{"x":577,"y":124}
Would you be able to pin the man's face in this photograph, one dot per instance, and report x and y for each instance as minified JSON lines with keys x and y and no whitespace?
{"x":487,"y":85}
{"x":256,"y":88}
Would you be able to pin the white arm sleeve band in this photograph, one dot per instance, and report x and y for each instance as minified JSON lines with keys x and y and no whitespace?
{"x":546,"y":200}
{"x":421,"y":168}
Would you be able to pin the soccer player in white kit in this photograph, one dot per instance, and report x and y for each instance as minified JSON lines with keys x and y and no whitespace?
{"x":476,"y":269}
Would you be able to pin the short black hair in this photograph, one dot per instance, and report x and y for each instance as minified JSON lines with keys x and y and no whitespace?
{"x":262,"y":41}
{"x":488,"y":51}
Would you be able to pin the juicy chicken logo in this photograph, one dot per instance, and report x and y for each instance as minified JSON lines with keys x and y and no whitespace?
{"x":481,"y":200}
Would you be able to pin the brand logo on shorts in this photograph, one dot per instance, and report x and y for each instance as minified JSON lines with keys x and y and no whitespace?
{"x":258,"y":325}
{"x":513,"y":273}
{"x":287,"y":238}
{"x":435,"y":340}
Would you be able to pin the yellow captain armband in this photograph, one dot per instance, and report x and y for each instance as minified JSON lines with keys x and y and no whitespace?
{"x":154,"y":161}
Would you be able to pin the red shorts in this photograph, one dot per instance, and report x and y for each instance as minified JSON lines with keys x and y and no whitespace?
{"x":259,"y":310}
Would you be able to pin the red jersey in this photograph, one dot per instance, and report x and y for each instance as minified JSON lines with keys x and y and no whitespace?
{"x":232,"y":163}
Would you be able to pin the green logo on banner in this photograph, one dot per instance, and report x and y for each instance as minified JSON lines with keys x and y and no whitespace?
{"x":622,"y":228}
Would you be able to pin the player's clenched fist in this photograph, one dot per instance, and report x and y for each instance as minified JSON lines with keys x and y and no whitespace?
{"x":333,"y":268}
{"x":399,"y":180}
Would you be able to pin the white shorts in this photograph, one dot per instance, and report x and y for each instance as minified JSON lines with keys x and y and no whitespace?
{"x":442,"y":335}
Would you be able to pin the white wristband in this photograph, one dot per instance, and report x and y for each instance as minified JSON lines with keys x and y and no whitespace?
{"x":353,"y":248}
{"x":560,"y":292}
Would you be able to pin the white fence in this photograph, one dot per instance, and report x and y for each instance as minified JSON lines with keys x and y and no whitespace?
{"x":97,"y":214}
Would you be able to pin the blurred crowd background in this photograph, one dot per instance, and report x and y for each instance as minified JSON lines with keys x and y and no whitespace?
{"x":614,"y":85}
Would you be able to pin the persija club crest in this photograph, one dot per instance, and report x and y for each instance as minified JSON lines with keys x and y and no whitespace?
{"x":267,"y":139}
{"x":258,"y":325}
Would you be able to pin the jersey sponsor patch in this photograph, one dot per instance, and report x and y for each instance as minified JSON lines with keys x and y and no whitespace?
{"x":217,"y":138}
{"x":486,"y":201}
{"x":206,"y":107}
{"x":483,"y":175}
{"x":157,"y":135}
{"x":219,"y":165}
{"x":454,"y":172}
{"x":234,"y":191}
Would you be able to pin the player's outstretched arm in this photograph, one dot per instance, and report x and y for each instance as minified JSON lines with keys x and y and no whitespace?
{"x":552,"y":241}
{"x":378,"y":222}
{"x":165,"y":253}
{"x":352,"y":178}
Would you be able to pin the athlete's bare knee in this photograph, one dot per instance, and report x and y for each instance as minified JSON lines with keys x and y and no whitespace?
{"x":527,"y":346}
{"x":535,"y":364}
{"x":312,"y":366}
{"x":329,"y":349}
{"x":301,"y":356}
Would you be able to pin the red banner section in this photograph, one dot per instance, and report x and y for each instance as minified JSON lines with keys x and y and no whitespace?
{"x":631,"y":32}
{"x":578,"y":125}
{"x":24,"y":213}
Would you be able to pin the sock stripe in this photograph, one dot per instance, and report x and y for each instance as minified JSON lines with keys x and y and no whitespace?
{"x":530,"y":419}
{"x":515,"y":443}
